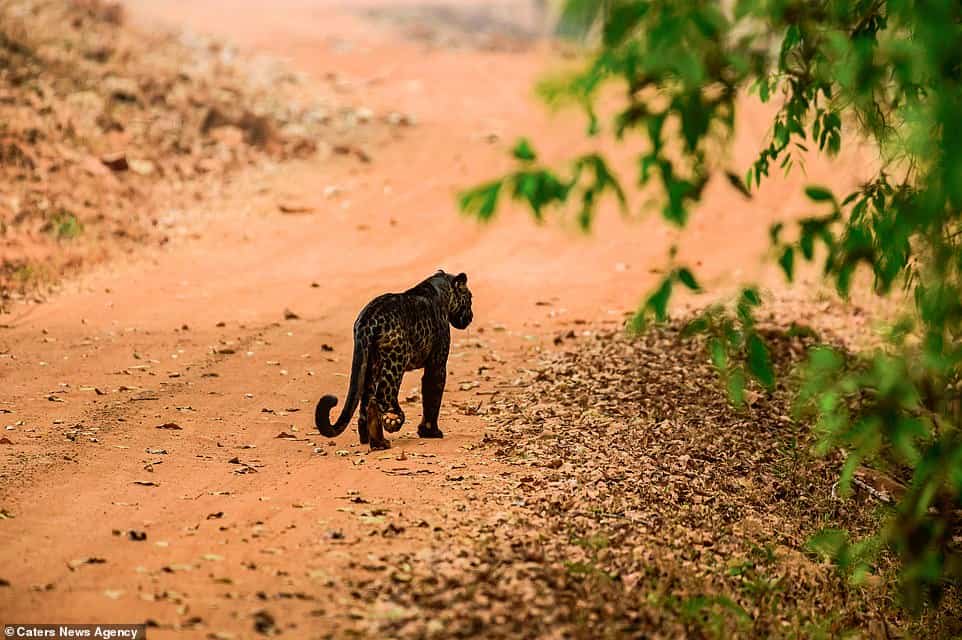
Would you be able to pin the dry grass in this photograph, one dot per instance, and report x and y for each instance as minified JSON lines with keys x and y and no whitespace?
{"x":101,"y":125}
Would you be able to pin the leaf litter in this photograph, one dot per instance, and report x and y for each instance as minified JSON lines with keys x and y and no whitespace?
{"x":638,"y":503}
{"x":102,"y":119}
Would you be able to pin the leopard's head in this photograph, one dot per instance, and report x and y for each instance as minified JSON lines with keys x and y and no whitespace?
{"x":459,"y":306}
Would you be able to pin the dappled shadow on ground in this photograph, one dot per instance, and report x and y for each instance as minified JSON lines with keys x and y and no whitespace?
{"x":642,"y":504}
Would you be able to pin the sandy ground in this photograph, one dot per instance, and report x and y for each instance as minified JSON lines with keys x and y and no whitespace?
{"x":196,"y":335}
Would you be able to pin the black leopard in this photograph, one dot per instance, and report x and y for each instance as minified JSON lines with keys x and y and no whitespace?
{"x":394,"y":333}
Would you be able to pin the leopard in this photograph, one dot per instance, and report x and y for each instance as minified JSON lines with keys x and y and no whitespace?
{"x":393,"y":334}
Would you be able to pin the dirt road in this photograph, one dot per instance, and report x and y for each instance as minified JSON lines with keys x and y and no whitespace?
{"x":237,"y":517}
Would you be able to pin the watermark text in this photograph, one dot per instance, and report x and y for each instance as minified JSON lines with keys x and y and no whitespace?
{"x":93,"y":631}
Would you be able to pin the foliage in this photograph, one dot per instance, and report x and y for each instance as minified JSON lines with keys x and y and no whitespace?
{"x":886,"y":70}
{"x":65,"y":225}
{"x":736,"y":347}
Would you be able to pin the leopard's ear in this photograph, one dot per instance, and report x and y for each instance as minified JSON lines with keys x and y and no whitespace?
{"x":461,"y":280}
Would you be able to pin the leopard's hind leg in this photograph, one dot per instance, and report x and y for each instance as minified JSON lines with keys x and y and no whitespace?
{"x":362,"y":419}
{"x":384,"y":400}
{"x":375,"y":430}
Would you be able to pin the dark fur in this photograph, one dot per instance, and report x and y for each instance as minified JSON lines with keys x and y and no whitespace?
{"x":394,"y":333}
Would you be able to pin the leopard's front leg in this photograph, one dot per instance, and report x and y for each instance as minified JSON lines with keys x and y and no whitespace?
{"x":432,"y":390}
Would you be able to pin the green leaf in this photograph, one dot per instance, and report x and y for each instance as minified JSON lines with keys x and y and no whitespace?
{"x":787,"y":262}
{"x":719,"y":357}
{"x":578,"y":17}
{"x":819,"y":194}
{"x":656,"y":304}
{"x":624,"y":17}
{"x":697,"y":325}
{"x":781,"y":135}
{"x":775,"y":231}
{"x":750,"y":297}
{"x":658,"y":301}
{"x":736,"y":182}
{"x":523,"y":151}
{"x":760,"y":362}
{"x":829,"y":543}
{"x":736,"y":387}
{"x":481,"y":201}
{"x":686,"y":278}
{"x":852,"y":462}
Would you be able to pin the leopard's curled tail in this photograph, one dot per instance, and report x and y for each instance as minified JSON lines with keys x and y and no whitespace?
{"x":322,"y":413}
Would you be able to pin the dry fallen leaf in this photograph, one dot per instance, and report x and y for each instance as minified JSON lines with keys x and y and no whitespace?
{"x":295,"y":207}
{"x":79,"y":562}
{"x":264,"y":622}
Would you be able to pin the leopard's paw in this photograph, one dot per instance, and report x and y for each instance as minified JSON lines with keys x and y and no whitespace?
{"x":380,"y":445}
{"x":429,"y":431}
{"x":391,"y":421}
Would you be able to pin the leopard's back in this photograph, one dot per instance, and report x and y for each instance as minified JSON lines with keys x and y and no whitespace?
{"x":403,"y":326}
